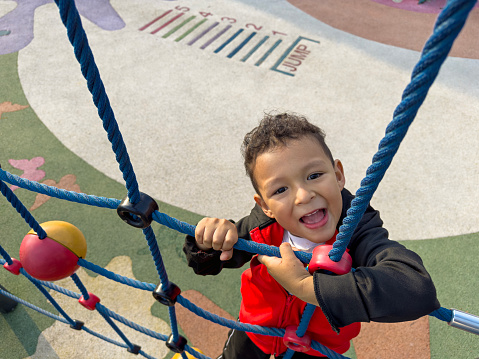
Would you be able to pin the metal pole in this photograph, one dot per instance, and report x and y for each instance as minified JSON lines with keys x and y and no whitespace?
{"x":465,"y":321}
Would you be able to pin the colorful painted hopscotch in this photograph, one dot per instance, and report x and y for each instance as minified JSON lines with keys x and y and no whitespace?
{"x":246,"y":44}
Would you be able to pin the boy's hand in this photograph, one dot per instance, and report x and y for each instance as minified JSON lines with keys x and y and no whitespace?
{"x":219,"y":234}
{"x":289,"y":271}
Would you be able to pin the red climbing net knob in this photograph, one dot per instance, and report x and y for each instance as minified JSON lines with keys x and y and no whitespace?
{"x":55,"y":256}
{"x":293,"y":342}
{"x":89,"y":303}
{"x":14,"y":267}
{"x":321,"y":260}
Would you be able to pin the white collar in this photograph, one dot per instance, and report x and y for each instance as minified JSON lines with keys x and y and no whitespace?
{"x":300,"y":243}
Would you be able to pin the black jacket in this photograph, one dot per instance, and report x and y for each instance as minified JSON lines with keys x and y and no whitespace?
{"x":389,"y":284}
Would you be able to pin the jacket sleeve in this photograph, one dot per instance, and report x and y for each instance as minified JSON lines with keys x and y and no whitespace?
{"x":389,"y":284}
{"x":208,"y":262}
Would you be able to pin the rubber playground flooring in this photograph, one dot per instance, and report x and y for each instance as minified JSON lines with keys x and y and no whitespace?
{"x":183,"y":102}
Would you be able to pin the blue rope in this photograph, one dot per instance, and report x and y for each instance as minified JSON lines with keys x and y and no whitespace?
{"x":133,"y":325}
{"x":62,"y":320}
{"x":52,"y":301}
{"x":80,"y":286}
{"x":51,"y":191}
{"x":174,"y":323}
{"x":278,"y":332}
{"x":22,"y":210}
{"x":443,"y":314}
{"x":155,"y":252}
{"x":162,"y":218}
{"x":289,"y":354}
{"x":448,"y":25}
{"x":104,"y":314}
{"x":31,"y":306}
{"x":116,"y":277}
{"x":303,"y":326}
{"x":305,"y":319}
{"x":72,"y":21}
{"x":5,"y":255}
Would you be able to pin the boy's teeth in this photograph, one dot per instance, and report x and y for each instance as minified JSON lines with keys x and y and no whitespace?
{"x":314,"y":217}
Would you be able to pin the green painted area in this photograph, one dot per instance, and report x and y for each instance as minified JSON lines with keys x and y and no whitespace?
{"x":23,"y":137}
{"x":451,"y":261}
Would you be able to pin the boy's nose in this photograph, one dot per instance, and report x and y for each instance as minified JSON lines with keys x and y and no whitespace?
{"x":304,"y":195}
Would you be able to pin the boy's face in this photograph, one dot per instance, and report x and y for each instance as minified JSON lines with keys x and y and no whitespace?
{"x":301,"y":188}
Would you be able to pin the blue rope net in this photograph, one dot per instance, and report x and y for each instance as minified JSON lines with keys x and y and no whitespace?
{"x":448,"y":25}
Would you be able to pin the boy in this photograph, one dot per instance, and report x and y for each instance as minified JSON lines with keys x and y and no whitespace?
{"x":300,"y":203}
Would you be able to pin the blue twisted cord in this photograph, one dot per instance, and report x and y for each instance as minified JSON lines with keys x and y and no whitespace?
{"x":80,"y":286}
{"x":303,"y":327}
{"x":277,"y":332}
{"x":305,"y":319}
{"x":443,"y":314}
{"x":116,"y":277}
{"x":155,"y":252}
{"x":5,"y":255}
{"x":72,"y":21}
{"x":289,"y":354}
{"x":22,"y":210}
{"x":415,"y":101}
{"x":448,"y":25}
{"x":63,"y":320}
{"x":174,"y":323}
{"x":133,"y":325}
{"x":162,"y":218}
{"x":31,"y":306}
{"x":107,"y":318}
{"x":51,"y":191}
{"x":50,"y":299}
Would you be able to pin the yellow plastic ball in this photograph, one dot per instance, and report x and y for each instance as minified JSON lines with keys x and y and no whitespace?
{"x":188,"y":355}
{"x":67,"y":235}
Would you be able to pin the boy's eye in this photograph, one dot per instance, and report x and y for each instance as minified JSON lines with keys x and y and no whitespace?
{"x":314,"y":176}
{"x":280,"y":190}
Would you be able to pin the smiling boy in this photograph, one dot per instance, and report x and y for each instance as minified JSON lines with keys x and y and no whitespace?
{"x":301,"y":201}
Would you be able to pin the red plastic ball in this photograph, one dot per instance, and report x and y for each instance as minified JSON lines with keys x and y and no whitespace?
{"x":54,"y":257}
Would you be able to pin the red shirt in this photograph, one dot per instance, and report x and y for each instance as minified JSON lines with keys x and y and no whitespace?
{"x":265,"y":302}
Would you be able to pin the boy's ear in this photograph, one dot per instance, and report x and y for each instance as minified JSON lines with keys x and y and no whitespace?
{"x":262,"y":204}
{"x":339,"y":171}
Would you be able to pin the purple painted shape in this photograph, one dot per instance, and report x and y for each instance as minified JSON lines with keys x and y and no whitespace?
{"x":101,"y":13}
{"x":19,"y":21}
{"x":207,"y":43}
{"x":430,"y":6}
{"x":29,"y":168}
{"x":203,"y":33}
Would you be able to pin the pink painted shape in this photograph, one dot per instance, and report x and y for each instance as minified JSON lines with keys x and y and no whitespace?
{"x":29,"y":168}
{"x":429,"y":7}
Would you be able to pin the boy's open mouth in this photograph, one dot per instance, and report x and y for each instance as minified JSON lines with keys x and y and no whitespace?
{"x":314,"y":217}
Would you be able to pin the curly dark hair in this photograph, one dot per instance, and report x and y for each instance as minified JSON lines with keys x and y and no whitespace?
{"x":276,"y":130}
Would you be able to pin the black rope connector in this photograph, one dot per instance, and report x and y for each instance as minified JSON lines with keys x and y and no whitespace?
{"x":77,"y":325}
{"x":135,"y":349}
{"x":139,"y":215}
{"x":178,"y":346}
{"x":167,"y":296}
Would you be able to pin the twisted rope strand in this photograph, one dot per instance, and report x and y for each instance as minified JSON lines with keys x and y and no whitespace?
{"x":72,"y":21}
{"x":448,"y":25}
{"x":22,"y":210}
{"x":450,"y":22}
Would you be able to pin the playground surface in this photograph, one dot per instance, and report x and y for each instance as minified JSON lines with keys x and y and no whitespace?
{"x":186,"y":80}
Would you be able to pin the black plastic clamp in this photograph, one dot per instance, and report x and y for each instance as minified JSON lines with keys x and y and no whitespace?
{"x":178,"y":346}
{"x":139,"y":215}
{"x":134,"y":350}
{"x":77,"y":325}
{"x":167,"y":296}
